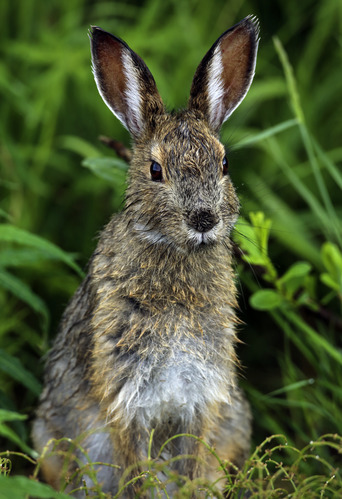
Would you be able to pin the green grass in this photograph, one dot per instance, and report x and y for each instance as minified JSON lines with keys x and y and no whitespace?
{"x":274,"y":469}
{"x":59,"y":185}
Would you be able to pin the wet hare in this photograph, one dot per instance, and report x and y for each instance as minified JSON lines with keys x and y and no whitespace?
{"x":148,"y":340}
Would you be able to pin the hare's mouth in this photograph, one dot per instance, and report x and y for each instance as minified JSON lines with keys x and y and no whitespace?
{"x":188,"y":237}
{"x":198,"y":238}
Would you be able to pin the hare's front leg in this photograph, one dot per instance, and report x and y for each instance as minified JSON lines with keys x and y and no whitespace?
{"x":132,"y":444}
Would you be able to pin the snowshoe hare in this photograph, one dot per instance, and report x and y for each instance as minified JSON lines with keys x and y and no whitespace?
{"x":148,"y":341}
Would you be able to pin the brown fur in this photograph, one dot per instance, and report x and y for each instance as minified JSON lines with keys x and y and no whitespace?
{"x":148,"y":341}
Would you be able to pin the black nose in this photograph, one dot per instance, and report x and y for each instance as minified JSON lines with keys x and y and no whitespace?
{"x":203,"y":220}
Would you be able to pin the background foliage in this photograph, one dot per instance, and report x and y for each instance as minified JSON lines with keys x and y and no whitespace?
{"x":285,"y":156}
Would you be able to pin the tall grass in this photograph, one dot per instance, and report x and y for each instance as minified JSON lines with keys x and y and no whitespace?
{"x":59,"y":185}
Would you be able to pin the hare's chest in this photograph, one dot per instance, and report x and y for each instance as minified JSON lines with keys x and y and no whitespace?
{"x":177,"y":392}
{"x":173,"y":387}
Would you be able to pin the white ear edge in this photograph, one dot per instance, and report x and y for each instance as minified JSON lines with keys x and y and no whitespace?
{"x":132,"y":94}
{"x":215,"y":89}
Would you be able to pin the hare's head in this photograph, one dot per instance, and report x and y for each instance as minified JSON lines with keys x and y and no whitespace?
{"x":180,"y":192}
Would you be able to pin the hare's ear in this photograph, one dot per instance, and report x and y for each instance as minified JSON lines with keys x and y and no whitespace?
{"x":124,"y":81}
{"x":226,"y":72}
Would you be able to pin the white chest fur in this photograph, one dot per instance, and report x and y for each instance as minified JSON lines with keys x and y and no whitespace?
{"x":171,"y":390}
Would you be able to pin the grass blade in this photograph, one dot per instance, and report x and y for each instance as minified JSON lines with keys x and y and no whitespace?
{"x":12,"y":234}
{"x":14,"y":368}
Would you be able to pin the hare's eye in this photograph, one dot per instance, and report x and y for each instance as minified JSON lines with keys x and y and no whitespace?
{"x":225,"y":165}
{"x":156,"y":172}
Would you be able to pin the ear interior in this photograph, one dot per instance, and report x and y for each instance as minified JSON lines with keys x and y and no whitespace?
{"x":226,"y":72}
{"x":108,"y":70}
{"x":124,"y":82}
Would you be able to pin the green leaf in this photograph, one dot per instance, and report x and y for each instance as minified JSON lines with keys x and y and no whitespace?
{"x":315,"y":338}
{"x":20,"y":487}
{"x":10,"y":416}
{"x":290,"y":387}
{"x":265,"y":134}
{"x":247,"y":240}
{"x":297,"y":270}
{"x":4,"y":214}
{"x":18,"y":257}
{"x":265,"y":299}
{"x":13,"y":367}
{"x":253,"y":240}
{"x":290,"y":80}
{"x":262,"y":227}
{"x":332,"y":260}
{"x":329,"y":281}
{"x":12,"y":234}
{"x":294,"y":278}
{"x":112,"y":170}
{"x":24,"y":293}
{"x":78,"y":145}
{"x":10,"y":434}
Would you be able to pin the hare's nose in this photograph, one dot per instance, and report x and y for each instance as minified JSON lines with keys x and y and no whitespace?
{"x":203,"y":220}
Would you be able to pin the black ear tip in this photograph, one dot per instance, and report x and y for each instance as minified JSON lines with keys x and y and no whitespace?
{"x":93,"y":31}
{"x":98,"y":35}
{"x":96,"y":31}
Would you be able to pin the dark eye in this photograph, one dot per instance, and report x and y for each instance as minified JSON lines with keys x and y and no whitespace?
{"x":225,"y":165}
{"x":156,"y":172}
